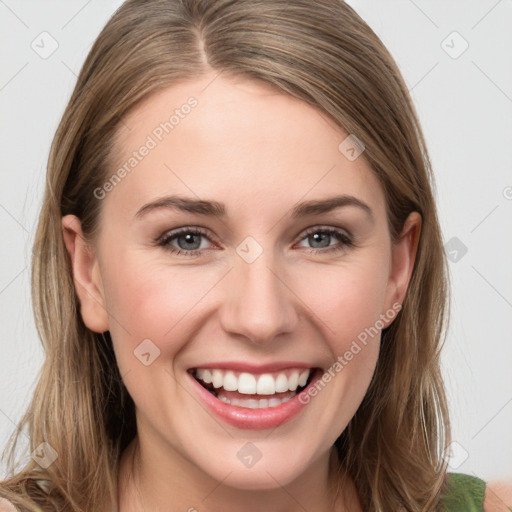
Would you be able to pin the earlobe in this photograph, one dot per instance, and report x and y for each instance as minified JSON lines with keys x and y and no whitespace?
{"x":403,"y":256}
{"x":86,"y":275}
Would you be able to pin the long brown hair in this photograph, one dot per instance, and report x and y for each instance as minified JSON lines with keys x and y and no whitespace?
{"x":322,"y":53}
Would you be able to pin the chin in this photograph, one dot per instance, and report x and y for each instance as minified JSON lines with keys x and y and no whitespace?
{"x":266,"y":470}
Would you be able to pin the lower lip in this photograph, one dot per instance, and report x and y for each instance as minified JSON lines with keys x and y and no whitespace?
{"x":253,"y":419}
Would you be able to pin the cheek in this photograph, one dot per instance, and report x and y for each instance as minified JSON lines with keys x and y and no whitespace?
{"x":155,"y":302}
{"x":152,"y":301}
{"x":346,"y":300}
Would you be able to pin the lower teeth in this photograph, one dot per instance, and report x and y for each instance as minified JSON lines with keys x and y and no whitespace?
{"x":252,"y":403}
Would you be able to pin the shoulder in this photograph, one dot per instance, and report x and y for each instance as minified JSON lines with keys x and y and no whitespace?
{"x":463,"y":493}
{"x":498,"y":497}
{"x":466,"y":492}
{"x":7,"y":506}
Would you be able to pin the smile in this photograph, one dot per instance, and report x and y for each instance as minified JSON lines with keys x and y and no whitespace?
{"x":231,"y":387}
{"x":249,"y":399}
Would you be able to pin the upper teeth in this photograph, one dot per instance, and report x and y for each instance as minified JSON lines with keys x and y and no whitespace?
{"x":250,"y":384}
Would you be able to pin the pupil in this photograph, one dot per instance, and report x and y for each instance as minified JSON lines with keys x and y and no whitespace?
{"x":322,"y":238}
{"x":189,"y":240}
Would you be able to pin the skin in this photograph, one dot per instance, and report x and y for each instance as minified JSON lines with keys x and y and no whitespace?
{"x":498,"y":496}
{"x":259,"y":152}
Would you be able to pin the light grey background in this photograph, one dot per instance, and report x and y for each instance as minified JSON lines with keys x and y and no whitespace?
{"x":464,"y":100}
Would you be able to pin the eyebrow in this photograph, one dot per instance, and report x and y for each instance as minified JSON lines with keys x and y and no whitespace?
{"x":316,"y":207}
{"x":216,"y":209}
{"x":198,"y":206}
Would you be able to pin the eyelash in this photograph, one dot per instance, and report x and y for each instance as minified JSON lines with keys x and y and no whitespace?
{"x":344,"y":239}
{"x":164,"y":240}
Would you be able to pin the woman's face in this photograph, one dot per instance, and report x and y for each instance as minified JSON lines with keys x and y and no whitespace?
{"x":246,"y":247}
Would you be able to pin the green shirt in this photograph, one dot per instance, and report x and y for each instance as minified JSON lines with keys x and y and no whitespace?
{"x":465,"y":493}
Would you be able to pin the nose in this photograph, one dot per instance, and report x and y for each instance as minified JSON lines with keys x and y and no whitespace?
{"x":258,"y":303}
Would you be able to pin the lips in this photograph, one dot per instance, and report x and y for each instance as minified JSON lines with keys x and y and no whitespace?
{"x":251,"y":397}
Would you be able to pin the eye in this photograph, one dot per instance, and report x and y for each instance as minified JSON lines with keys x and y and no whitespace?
{"x":320,"y":240}
{"x":191,"y":241}
{"x":187,"y":241}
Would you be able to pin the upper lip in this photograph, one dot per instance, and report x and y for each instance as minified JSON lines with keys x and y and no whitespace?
{"x":254,"y":368}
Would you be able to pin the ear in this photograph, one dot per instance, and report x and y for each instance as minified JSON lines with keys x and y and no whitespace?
{"x":403,"y":256}
{"x":86,"y":275}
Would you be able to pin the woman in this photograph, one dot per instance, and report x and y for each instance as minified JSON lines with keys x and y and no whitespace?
{"x":238,"y":274}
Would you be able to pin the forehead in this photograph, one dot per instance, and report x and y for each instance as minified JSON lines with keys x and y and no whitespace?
{"x":240,"y":141}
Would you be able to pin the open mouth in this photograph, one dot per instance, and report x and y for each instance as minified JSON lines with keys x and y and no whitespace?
{"x":254,"y":391}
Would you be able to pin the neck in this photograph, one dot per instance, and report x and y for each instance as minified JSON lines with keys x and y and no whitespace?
{"x":150,"y":480}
